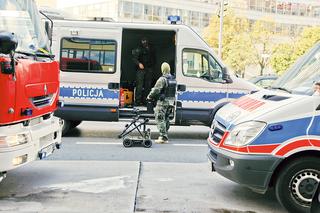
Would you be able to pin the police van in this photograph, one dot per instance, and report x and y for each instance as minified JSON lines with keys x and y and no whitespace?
{"x":272,"y":138}
{"x":98,"y":73}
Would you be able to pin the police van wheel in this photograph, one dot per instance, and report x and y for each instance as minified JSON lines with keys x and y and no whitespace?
{"x":66,"y":127}
{"x":74,"y":124}
{"x":127,"y":142}
{"x":297,"y":183}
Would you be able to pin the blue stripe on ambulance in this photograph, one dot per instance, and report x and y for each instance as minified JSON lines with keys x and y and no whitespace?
{"x":83,"y":92}
{"x":290,"y":129}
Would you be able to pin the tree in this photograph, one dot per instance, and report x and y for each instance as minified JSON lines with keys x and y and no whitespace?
{"x":282,"y":57}
{"x":286,"y":54}
{"x":239,"y":53}
{"x":236,"y":43}
{"x":261,"y":35}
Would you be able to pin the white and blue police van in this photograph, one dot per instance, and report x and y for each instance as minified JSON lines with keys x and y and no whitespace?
{"x":96,"y":63}
{"x":271,"y":139}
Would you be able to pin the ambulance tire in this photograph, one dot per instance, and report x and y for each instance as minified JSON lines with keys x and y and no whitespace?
{"x":297,"y":182}
{"x":66,"y":127}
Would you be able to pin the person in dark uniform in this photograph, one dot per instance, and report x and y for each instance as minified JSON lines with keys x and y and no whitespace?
{"x":143,"y":57}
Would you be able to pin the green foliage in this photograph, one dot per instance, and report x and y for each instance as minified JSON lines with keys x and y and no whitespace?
{"x":242,"y":46}
{"x":237,"y":49}
{"x":284,"y":55}
{"x":239,"y":53}
{"x":262,"y":34}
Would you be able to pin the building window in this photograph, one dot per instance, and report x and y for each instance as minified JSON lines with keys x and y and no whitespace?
{"x":148,"y":12}
{"x":157,"y":13}
{"x":205,"y":20}
{"x":195,"y":19}
{"x":127,"y":9}
{"x":88,"y":55}
{"x":138,"y":11}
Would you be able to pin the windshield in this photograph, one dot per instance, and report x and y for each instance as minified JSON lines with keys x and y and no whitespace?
{"x":300,"y":78}
{"x":22,"y":18}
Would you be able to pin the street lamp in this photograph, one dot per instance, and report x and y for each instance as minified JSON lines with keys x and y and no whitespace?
{"x":220,"y":14}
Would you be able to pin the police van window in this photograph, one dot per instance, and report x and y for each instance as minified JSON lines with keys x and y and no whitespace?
{"x":88,"y":55}
{"x":200,"y":64}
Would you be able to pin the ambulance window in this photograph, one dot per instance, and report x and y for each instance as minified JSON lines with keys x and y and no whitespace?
{"x":88,"y":55}
{"x":200,"y":64}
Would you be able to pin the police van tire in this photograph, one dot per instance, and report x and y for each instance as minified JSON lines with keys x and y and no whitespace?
{"x":74,"y":124}
{"x":295,"y":183}
{"x":66,"y":127}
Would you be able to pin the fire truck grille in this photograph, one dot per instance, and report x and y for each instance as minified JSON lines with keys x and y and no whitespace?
{"x":42,"y":101}
{"x":217,"y":131}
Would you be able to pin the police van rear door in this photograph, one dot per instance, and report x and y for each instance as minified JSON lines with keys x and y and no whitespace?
{"x":90,"y":72}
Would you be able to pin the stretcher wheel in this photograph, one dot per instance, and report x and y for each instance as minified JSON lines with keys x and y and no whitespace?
{"x":127,"y":142}
{"x":147,"y":143}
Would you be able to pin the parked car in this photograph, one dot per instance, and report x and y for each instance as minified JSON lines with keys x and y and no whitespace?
{"x":263,"y":80}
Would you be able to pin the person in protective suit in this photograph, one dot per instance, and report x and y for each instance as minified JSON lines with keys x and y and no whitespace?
{"x":143,"y":57}
{"x":163,"y":107}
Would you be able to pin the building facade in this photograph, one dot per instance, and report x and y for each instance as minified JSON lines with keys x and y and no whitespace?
{"x":290,"y":16}
{"x":195,"y":13}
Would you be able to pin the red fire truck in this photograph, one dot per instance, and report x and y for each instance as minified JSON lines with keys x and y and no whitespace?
{"x":29,"y":87}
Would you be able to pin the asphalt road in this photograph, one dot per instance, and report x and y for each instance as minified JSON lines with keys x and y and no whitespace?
{"x":93,"y":172}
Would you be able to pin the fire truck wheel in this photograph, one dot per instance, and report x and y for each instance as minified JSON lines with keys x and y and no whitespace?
{"x":66,"y":127}
{"x":297,"y":183}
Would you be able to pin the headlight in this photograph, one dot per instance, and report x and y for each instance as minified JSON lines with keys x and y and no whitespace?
{"x":14,"y":140}
{"x":244,"y":133}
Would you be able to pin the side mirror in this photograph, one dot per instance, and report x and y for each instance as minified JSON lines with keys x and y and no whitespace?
{"x":225,"y":76}
{"x":49,"y":30}
{"x":8,"y":42}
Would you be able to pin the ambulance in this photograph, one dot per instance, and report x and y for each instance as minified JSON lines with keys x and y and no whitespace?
{"x":271,"y":139}
{"x":98,"y":73}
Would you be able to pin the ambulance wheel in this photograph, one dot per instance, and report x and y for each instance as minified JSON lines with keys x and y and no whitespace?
{"x":297,"y":183}
{"x":66,"y":127}
{"x":147,"y":143}
{"x":127,"y":143}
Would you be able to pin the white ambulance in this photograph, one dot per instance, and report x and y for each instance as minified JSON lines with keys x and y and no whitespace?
{"x":96,"y":64}
{"x":272,"y":138}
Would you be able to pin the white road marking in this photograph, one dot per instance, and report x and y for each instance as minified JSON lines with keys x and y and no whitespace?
{"x":98,"y":143}
{"x":115,"y":143}
{"x":191,"y":145}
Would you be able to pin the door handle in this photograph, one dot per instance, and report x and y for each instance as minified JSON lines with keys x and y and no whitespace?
{"x":181,"y":88}
{"x":113,"y":85}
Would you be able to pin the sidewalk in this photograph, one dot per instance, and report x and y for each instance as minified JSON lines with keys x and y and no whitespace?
{"x":105,"y":186}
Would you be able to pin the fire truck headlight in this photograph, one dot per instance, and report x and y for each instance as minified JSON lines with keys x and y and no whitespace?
{"x":14,"y":140}
{"x":244,"y":133}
